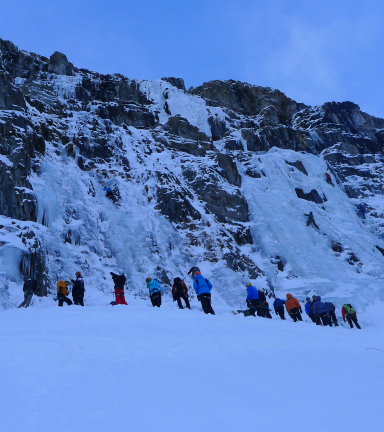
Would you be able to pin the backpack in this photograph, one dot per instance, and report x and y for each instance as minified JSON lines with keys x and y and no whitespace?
{"x":62,"y":287}
{"x":154,"y":286}
{"x":178,"y":285}
{"x":349,"y":309}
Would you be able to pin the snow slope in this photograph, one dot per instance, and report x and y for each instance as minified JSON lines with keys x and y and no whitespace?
{"x":142,"y":369}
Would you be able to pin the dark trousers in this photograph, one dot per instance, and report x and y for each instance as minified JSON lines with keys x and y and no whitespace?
{"x":266,"y":313}
{"x":78,"y":300}
{"x":324,"y":319}
{"x":27,"y":299}
{"x":280,"y":312}
{"x":181,"y":295}
{"x":205,"y":300}
{"x":312,"y":317}
{"x":156,"y":299}
{"x":255,"y":306}
{"x":329,"y":181}
{"x":311,"y":221}
{"x":62,"y":298}
{"x":332,"y":319}
{"x":352,"y":318}
{"x":295,"y":314}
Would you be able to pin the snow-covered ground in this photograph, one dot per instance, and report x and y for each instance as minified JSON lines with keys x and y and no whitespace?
{"x":140,"y":368}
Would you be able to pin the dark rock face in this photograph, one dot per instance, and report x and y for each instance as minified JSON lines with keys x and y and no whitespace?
{"x":59,"y":64}
{"x":180,"y":126}
{"x":176,"y":82}
{"x":95,"y":120}
{"x":311,"y":196}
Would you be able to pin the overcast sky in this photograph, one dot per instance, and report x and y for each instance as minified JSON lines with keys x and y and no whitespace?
{"x":314,"y":51}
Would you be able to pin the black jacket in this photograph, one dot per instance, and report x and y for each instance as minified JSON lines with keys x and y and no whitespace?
{"x":78,"y":288}
{"x":30,"y":285}
{"x":118,"y":280}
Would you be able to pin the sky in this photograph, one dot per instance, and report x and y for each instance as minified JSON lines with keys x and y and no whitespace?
{"x":313,"y":51}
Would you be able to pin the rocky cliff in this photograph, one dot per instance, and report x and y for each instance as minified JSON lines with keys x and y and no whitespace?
{"x":180,"y":163}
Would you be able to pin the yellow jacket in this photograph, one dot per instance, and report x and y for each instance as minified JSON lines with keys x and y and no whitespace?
{"x":62,"y":287}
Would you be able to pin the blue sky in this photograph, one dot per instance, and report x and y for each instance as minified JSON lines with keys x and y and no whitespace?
{"x":313,"y":51}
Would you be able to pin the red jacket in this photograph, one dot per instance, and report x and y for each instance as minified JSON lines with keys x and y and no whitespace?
{"x":185,"y":288}
{"x":327,"y":175}
{"x":343,"y":312}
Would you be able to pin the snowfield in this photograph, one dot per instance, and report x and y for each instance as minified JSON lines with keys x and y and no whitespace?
{"x":138,"y":368}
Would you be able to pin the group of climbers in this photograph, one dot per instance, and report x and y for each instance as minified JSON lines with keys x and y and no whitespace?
{"x":317,"y":311}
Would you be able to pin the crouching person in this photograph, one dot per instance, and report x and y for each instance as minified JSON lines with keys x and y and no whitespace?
{"x":320,"y":310}
{"x":62,"y":292}
{"x":293,"y":308}
{"x":203,"y":288}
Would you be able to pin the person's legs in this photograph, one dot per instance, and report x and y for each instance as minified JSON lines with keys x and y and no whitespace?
{"x":60,"y":299}
{"x":29,"y":299}
{"x":354,"y":319}
{"x":349,"y":321}
{"x":81,"y":300}
{"x":177,"y":298}
{"x":68,"y":301}
{"x":280,"y":311}
{"x":185,"y":297}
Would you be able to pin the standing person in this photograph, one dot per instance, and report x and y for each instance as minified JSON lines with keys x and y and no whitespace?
{"x":78,"y":290}
{"x":320,"y":310}
{"x":119,"y":281}
{"x":154,"y":288}
{"x":308,"y":309}
{"x":203,"y":288}
{"x":29,"y":289}
{"x":253,"y":301}
{"x":347,"y":310}
{"x":265,"y":311}
{"x":328,"y":177}
{"x":331,"y":312}
{"x":293,"y":308}
{"x":278,"y":305}
{"x":62,"y":292}
{"x":311,"y":220}
{"x":180,"y":291}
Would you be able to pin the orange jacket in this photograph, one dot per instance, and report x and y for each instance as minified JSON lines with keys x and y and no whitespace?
{"x":291,"y":303}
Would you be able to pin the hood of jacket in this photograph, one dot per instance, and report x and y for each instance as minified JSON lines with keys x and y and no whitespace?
{"x":289,"y":296}
{"x":318,"y":298}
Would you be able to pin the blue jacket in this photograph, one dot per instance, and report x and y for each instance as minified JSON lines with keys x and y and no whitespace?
{"x":330,"y":306}
{"x":107,"y":189}
{"x":308,"y":308}
{"x":253,"y":293}
{"x":154,"y":286}
{"x":319,"y":307}
{"x":278,"y":302}
{"x":202,"y":285}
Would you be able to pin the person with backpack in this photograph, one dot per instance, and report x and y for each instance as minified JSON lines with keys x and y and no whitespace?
{"x":265,"y":311}
{"x":78,"y":290}
{"x":278,"y":305}
{"x":154,"y":288}
{"x":109,"y":194}
{"x":253,"y":301}
{"x":180,"y":291}
{"x":331,"y":312}
{"x":315,"y":317}
{"x":293,"y":308}
{"x":308,"y":309}
{"x":202,"y":287}
{"x":29,"y":289}
{"x":119,"y":281}
{"x":319,"y":309}
{"x":311,"y":220}
{"x":328,"y":178}
{"x":348,"y":311}
{"x":62,"y":292}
